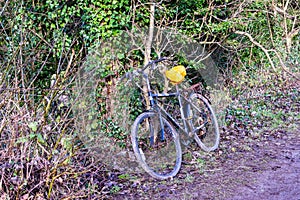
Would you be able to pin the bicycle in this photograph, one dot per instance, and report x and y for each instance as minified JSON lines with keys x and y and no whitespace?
{"x":154,"y":134}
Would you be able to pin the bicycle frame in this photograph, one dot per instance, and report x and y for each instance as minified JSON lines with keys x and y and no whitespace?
{"x":155,"y":133}
{"x":186,"y":128}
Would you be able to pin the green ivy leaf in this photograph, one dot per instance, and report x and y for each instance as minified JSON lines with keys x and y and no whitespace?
{"x":94,"y":124}
{"x":32,"y":135}
{"x":22,"y":140}
{"x":40,"y":138}
{"x":33,"y":126}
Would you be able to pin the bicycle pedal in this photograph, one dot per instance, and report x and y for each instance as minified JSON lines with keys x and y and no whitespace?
{"x":186,"y":142}
{"x":201,"y":133}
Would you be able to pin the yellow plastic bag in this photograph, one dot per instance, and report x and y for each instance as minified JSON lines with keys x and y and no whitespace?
{"x":176,"y":74}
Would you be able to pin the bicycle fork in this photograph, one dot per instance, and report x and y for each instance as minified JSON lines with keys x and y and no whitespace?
{"x":186,"y":124}
{"x":157,"y":129}
{"x":157,"y":125}
{"x":194,"y":130}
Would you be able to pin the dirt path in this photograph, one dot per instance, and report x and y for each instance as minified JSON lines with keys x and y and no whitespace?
{"x":280,"y":177}
{"x":270,"y":170}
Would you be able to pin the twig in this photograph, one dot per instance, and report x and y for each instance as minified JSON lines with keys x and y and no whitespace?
{"x":266,"y":51}
{"x":4,"y":7}
{"x":41,"y":38}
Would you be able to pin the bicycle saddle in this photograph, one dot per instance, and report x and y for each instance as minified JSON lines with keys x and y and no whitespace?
{"x":176,"y":74}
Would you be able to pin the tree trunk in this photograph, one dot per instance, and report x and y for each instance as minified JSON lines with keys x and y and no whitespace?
{"x":147,"y":56}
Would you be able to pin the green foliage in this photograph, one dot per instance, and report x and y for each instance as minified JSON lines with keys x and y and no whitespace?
{"x":33,"y":126}
{"x":103,"y":19}
{"x":115,"y":189}
{"x":265,"y":111}
{"x":136,"y":104}
{"x":189,"y":17}
{"x":114,"y":131}
{"x":50,"y":30}
{"x":124,"y":176}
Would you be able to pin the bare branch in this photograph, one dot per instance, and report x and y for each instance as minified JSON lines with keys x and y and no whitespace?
{"x":266,"y":51}
{"x":150,"y":35}
{"x":4,"y":7}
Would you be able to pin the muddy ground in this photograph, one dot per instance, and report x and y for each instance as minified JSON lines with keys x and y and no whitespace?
{"x":260,"y":164}
{"x":271,"y":170}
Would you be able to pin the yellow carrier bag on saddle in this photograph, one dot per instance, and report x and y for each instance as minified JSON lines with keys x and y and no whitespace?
{"x":176,"y":74}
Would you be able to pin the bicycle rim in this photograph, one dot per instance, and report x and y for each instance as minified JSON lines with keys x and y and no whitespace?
{"x":158,"y":155}
{"x":204,"y":122}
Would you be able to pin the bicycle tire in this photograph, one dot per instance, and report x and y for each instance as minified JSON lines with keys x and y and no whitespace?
{"x":159,"y":158}
{"x":199,"y":113}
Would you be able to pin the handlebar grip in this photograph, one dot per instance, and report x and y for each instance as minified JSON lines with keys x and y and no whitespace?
{"x":129,"y":75}
{"x":126,"y":75}
{"x":160,"y":59}
{"x":141,"y":71}
{"x":153,"y":62}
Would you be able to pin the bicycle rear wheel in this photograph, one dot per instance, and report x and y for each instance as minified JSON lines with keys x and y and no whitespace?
{"x":156,"y":145}
{"x":203,"y":122}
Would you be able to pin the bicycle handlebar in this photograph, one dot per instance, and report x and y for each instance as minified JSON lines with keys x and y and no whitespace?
{"x":141,"y":71}
{"x":154,"y":62}
{"x":158,"y":60}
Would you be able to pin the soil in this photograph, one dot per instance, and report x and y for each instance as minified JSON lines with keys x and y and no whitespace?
{"x":263,"y":167}
{"x":270,"y":170}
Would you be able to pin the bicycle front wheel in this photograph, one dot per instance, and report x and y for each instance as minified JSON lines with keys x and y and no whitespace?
{"x":156,"y":145}
{"x":203,"y":122}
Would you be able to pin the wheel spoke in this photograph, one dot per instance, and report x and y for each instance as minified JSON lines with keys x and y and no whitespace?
{"x":159,"y":156}
{"x":202,"y":120}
